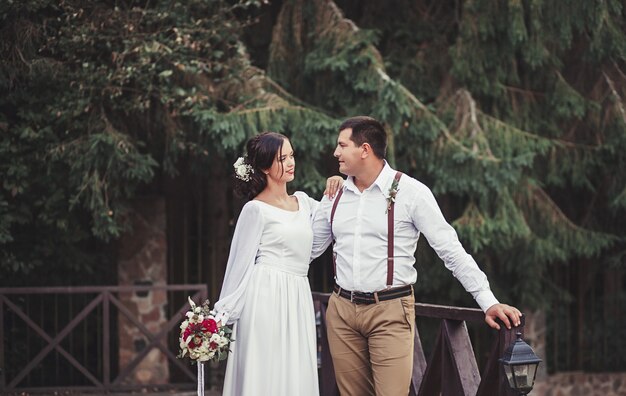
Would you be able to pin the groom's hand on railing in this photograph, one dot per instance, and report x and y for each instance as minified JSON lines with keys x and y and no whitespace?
{"x":507,"y":314}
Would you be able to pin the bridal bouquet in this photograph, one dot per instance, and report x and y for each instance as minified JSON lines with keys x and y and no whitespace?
{"x":201,"y":338}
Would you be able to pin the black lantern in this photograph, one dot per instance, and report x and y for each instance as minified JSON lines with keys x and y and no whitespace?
{"x":520,"y":365}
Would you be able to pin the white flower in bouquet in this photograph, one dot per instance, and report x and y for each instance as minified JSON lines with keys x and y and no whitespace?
{"x":223,"y":341}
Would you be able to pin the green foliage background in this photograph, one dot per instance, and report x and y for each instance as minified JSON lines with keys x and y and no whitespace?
{"x":512,"y":111}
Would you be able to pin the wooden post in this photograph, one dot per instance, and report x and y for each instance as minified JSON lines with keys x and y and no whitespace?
{"x":328,"y":383}
{"x":2,"y":365}
{"x":106,"y":339}
{"x":462,"y":362}
{"x":506,"y":338}
{"x":419,"y":364}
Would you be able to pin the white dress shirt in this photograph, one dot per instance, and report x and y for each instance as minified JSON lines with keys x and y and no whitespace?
{"x":360,"y":229}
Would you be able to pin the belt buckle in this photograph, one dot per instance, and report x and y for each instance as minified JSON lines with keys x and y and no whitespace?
{"x":351,"y":296}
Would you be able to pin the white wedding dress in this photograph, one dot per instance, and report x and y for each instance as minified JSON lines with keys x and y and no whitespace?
{"x":266,"y":294}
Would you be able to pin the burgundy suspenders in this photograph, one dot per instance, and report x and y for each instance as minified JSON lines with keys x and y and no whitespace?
{"x":332,"y":216}
{"x":389,"y":234}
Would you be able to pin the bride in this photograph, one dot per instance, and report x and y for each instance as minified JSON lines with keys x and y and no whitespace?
{"x":266,"y":293}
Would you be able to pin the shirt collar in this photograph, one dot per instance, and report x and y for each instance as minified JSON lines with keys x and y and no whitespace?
{"x":385,"y":178}
{"x":383,"y":181}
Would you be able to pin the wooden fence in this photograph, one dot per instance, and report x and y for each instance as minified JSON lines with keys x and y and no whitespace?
{"x":29,"y":333}
{"x":450,"y":370}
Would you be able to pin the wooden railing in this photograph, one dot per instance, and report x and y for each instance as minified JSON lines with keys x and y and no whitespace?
{"x":43,"y":335}
{"x":451,"y":369}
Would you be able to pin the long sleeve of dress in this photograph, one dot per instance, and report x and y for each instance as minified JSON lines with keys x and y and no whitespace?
{"x":322,"y":233}
{"x":243,"y":251}
{"x":311,"y":203}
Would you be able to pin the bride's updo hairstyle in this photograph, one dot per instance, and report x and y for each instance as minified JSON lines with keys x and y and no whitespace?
{"x":261,"y":150}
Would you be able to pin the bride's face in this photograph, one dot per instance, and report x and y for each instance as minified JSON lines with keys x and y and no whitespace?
{"x":284,"y":165}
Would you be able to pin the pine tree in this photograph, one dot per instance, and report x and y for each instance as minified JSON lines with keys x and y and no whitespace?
{"x":104,"y":100}
{"x":515,"y":120}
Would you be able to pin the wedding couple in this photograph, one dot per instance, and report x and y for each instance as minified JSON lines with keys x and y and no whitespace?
{"x":374,"y":222}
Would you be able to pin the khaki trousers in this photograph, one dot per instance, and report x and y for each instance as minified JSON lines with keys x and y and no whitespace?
{"x":372,"y":345}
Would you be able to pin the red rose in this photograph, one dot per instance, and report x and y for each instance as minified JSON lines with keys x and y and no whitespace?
{"x":210,"y":325}
{"x":194,"y":330}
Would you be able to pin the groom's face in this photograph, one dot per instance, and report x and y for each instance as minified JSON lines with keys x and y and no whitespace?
{"x":348,"y":153}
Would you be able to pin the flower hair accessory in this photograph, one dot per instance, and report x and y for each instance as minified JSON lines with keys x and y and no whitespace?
{"x":242,"y":170}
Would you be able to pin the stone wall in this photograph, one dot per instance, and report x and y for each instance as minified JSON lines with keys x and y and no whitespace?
{"x":581,"y":384}
{"x":143,"y":261}
{"x":575,"y":383}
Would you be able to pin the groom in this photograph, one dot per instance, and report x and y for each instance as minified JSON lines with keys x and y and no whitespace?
{"x":375,"y":222}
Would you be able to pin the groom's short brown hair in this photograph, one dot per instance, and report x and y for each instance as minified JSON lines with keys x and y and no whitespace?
{"x":367,"y":130}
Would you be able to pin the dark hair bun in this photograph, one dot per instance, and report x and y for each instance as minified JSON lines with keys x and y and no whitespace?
{"x":261,"y":150}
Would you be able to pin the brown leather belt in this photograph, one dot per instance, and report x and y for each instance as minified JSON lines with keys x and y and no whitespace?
{"x":374,"y":297}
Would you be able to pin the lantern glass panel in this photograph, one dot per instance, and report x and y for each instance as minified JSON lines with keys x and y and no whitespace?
{"x":525,"y":376}
{"x":508,"y":370}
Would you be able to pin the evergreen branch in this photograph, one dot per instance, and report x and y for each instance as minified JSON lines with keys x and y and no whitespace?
{"x":618,"y":99}
{"x":442,"y":127}
{"x":241,"y":106}
{"x":529,"y":135}
{"x":618,"y":69}
{"x":620,"y":200}
{"x":514,"y":129}
{"x":284,"y":93}
{"x":542,"y":199}
{"x":271,"y":108}
{"x":524,"y":91}
{"x":532,"y":136}
{"x":338,"y":30}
